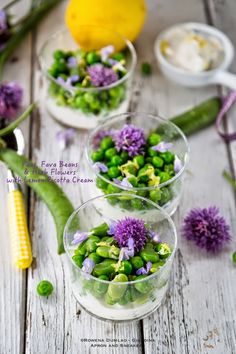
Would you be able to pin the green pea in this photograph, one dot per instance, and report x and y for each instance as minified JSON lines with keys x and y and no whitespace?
{"x":125,"y":268}
{"x":154,"y":139}
{"x":100,"y":183}
{"x":58,"y":54}
{"x":167,"y":156}
{"x":109,"y":153}
{"x":133,"y":180}
{"x":125,"y":156}
{"x":132,"y":170}
{"x":97,"y":155}
{"x":44,"y":288}
{"x":165,"y":195}
{"x":164,"y":176}
{"x":149,"y":255}
{"x":116,"y":291}
{"x":151,"y":152}
{"x":95,"y":257}
{"x":106,"y":143}
{"x":139,"y":160}
{"x":100,"y":288}
{"x":112,"y":189}
{"x":100,"y":230}
{"x":136,"y":204}
{"x":116,"y":160}
{"x":104,"y":268}
{"x":155,"y":195}
{"x":113,"y":171}
{"x":169,"y":169}
{"x":81,"y":249}
{"x":92,"y":58}
{"x":118,"y":56}
{"x":148,"y":159}
{"x":142,"y":193}
{"x":108,"y":252}
{"x":91,"y":243}
{"x":157,"y":162}
{"x":78,"y":259}
{"x":143,"y":287}
{"x":125,"y":204}
{"x":137,"y":262}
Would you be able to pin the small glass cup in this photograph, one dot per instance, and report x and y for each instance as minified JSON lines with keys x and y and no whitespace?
{"x":169,"y":192}
{"x":118,"y":301}
{"x":85,"y":107}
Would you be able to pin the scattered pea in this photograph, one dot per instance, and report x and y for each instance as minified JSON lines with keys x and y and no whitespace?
{"x":45,"y":288}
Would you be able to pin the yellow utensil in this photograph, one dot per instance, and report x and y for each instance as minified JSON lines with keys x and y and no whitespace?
{"x":20,"y":241}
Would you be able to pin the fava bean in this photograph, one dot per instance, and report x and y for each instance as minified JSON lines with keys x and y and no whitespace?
{"x":125,"y":268}
{"x":108,"y":252}
{"x":100,"y":230}
{"x":116,"y":290}
{"x":100,"y":288}
{"x":104,"y":268}
{"x":91,"y":243}
{"x":149,"y":255}
{"x":144,"y":287}
{"x":81,"y":249}
{"x":137,"y":262}
{"x":95,"y":257}
{"x":78,"y":259}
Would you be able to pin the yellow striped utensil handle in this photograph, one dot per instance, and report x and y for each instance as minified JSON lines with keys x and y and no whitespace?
{"x":20,"y":241}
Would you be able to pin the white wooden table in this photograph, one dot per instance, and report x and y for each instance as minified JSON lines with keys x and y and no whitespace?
{"x":199,"y":315}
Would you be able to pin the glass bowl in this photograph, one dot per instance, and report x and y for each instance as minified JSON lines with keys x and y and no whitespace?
{"x":130,"y":300}
{"x":167,"y":194}
{"x":85,"y":107}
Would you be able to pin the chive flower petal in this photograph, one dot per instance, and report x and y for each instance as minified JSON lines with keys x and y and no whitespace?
{"x":130,"y":139}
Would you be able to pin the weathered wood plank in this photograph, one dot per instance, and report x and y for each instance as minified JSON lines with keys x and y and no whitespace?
{"x":191,"y":321}
{"x":57,"y":322}
{"x":12,"y":280}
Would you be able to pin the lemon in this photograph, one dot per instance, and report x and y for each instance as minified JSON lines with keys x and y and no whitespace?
{"x":124,"y":16}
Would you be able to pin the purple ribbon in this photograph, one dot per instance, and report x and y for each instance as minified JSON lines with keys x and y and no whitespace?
{"x":227,"y":103}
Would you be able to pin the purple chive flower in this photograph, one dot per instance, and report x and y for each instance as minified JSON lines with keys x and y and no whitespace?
{"x":79,"y":237}
{"x":88,"y":265}
{"x":206,"y":228}
{"x":101,"y":75}
{"x":100,"y":167}
{"x":100,"y":135}
{"x":74,"y":78}
{"x":64,"y":137}
{"x":127,"y":252}
{"x":72,"y":62}
{"x":112,"y":61}
{"x":3,"y":21}
{"x":106,"y":52}
{"x":131,"y":228}
{"x":144,"y":270}
{"x":11,"y":95}
{"x":125,"y":182}
{"x":130,"y":139}
{"x":112,"y":227}
{"x":154,"y":236}
{"x":163,"y":146}
{"x":177,"y":164}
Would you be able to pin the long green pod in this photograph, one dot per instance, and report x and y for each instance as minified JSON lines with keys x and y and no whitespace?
{"x":198,"y":117}
{"x":53,"y":196}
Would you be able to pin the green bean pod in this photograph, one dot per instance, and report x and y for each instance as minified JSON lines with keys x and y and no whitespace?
{"x":53,"y":196}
